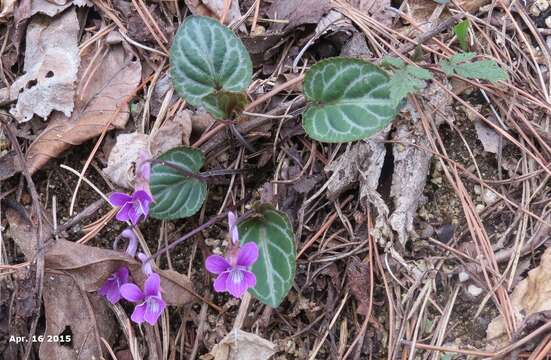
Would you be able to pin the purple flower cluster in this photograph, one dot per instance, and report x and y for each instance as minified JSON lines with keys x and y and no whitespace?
{"x":150,"y":304}
{"x":234,"y":275}
{"x":134,"y":208}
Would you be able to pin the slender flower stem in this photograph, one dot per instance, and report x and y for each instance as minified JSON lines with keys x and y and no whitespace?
{"x":202,"y":176}
{"x":198,"y":229}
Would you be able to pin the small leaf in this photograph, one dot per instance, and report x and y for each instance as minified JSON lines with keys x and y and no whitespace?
{"x":176,"y":195}
{"x":222,"y":104}
{"x":207,"y":57}
{"x":393,"y":62}
{"x":406,"y":79}
{"x":461,"y":30}
{"x":350,"y":100}
{"x":460,"y":64}
{"x":271,"y":230}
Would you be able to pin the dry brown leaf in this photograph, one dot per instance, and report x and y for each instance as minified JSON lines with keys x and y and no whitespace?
{"x":84,"y":316}
{"x":51,"y":66}
{"x":102,"y":98}
{"x":174,"y":132}
{"x":90,"y":266}
{"x":487,"y":136}
{"x":241,"y":345}
{"x":531,"y":295}
{"x":297,"y":13}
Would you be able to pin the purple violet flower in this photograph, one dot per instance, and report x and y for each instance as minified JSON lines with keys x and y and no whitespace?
{"x":111,"y":289}
{"x":132,"y":207}
{"x":150,"y":303}
{"x":234,"y":275}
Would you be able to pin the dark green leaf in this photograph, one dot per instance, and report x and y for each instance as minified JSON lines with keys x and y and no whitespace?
{"x":177,"y":195}
{"x":350,"y":100}
{"x":206,"y":58}
{"x":271,"y":230}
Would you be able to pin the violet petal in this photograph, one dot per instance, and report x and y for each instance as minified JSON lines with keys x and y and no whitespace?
{"x":154,"y":309}
{"x":217,"y":264}
{"x":232,"y":225}
{"x":134,"y":214}
{"x":132,"y":292}
{"x":119,"y":198}
{"x":152,"y":286}
{"x":235,"y":283}
{"x":249,"y":278}
{"x":138,"y":314}
{"x":122,"y":214}
{"x":248,"y":254}
{"x":220,"y":282}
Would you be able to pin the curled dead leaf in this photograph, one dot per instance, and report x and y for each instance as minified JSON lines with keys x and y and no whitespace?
{"x":125,"y":154}
{"x":215,"y":9}
{"x":123,"y":157}
{"x":531,"y":295}
{"x":51,"y":66}
{"x":241,"y":345}
{"x":104,"y":90}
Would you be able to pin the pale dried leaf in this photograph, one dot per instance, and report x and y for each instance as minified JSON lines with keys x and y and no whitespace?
{"x":174,"y":132}
{"x":375,"y":8}
{"x":6,"y":9}
{"x":531,"y":295}
{"x":122,"y":160}
{"x":123,"y":157}
{"x":100,"y":100}
{"x":488,"y":137}
{"x":241,"y":345}
{"x":215,"y":9}
{"x":411,"y":168}
{"x":412,"y":163}
{"x":51,"y":66}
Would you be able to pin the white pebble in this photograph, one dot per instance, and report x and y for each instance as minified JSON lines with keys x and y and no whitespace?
{"x":464,"y":276}
{"x":474,"y":290}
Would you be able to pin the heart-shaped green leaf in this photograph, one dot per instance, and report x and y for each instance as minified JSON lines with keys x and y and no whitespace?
{"x":177,"y":195}
{"x":206,"y":57}
{"x":271,"y":230}
{"x":350,"y":100}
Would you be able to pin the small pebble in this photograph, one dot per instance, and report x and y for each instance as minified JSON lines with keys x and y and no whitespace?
{"x":463,"y":276}
{"x":548,"y":22}
{"x":489,"y":197}
{"x":474,"y":290}
{"x":479,"y":208}
{"x":542,"y":5}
